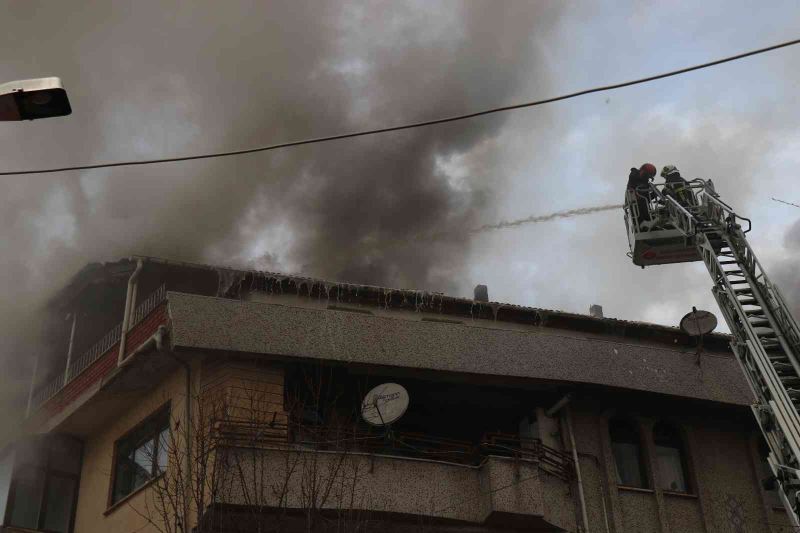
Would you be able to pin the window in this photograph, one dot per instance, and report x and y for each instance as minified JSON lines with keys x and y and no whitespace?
{"x":626,"y":446}
{"x":670,"y":458}
{"x":141,"y":455}
{"x":44,"y":484}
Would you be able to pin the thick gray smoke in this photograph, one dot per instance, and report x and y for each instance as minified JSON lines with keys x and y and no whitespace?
{"x":150,"y":80}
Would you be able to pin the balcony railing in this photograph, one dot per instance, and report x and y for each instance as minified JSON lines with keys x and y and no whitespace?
{"x":147,"y":306}
{"x":550,"y":460}
{"x":92,"y":354}
{"x":406,"y":444}
{"x":87,"y":358}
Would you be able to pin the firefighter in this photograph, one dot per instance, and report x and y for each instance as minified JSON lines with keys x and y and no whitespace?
{"x":639,"y":184}
{"x":676,"y":186}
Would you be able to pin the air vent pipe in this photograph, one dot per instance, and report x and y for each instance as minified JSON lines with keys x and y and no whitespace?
{"x":130,"y":299}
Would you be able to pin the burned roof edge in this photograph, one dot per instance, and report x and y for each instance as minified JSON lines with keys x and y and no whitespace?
{"x":238,"y":282}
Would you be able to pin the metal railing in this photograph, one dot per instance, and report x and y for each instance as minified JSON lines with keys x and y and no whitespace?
{"x":47,"y":391}
{"x":679,"y":207}
{"x":92,"y":354}
{"x":87,"y":358}
{"x":147,"y":306}
{"x":394,"y":443}
{"x":550,"y":460}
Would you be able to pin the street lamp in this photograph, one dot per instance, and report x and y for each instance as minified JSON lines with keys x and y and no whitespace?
{"x":32,"y":99}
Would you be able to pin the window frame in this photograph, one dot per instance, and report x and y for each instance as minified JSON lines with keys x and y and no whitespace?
{"x":47,"y":470}
{"x":683,"y":452}
{"x":643,"y":462}
{"x":163,"y":410}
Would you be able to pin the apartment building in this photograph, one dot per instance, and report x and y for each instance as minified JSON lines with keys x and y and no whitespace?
{"x":181,"y":397}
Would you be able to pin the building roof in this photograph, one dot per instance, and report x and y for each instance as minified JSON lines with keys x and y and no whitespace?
{"x":236,"y":283}
{"x":250,"y":311}
{"x":475,"y":346}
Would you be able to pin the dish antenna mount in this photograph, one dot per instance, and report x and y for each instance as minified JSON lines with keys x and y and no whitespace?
{"x":697,"y":324}
{"x":384,"y":404}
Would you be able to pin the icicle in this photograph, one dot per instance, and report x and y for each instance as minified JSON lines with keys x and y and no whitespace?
{"x":495,"y":309}
{"x":327,"y":292}
{"x":387,"y":297}
{"x":227,"y":278}
{"x":420,"y":300}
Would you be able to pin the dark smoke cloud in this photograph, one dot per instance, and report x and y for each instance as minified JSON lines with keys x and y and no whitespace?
{"x":149,"y":79}
{"x":702,"y":126}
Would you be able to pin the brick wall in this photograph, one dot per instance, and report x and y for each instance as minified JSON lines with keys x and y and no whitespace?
{"x":146,"y":328}
{"x":105,"y":363}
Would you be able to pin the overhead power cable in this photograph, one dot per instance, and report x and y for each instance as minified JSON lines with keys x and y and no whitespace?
{"x":785,"y":202}
{"x":443,"y":120}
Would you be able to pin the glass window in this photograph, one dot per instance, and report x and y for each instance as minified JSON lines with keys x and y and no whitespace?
{"x":670,"y":458}
{"x":141,"y":455}
{"x":45,"y":483}
{"x":163,"y":450}
{"x":58,"y":504}
{"x":28,"y":489}
{"x":626,"y":446}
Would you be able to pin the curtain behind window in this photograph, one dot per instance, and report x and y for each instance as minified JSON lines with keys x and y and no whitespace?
{"x":627,"y":450}
{"x":670,"y":458}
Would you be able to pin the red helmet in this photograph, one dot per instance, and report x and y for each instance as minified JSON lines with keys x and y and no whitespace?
{"x":648,"y":170}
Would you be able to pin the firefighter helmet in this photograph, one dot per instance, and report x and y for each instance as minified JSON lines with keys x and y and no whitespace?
{"x":648,"y":170}
{"x":669,"y":170}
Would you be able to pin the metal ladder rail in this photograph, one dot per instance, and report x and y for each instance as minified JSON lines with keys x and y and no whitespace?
{"x":788,"y":328}
{"x":781,"y":429}
{"x":783,"y":368}
{"x":788,"y":331}
{"x":768,"y":379}
{"x":764,"y":317}
{"x":719,"y":213}
{"x":678,"y":215}
{"x":773,"y":435}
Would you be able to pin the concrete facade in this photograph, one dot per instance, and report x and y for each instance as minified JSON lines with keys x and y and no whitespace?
{"x":244,"y":353}
{"x":95,"y":511}
{"x":500,"y":493}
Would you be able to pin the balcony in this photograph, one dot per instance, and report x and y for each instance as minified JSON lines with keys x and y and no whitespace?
{"x":414,"y":478}
{"x":97,"y":361}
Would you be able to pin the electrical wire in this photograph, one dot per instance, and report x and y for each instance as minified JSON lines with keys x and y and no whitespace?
{"x":785,"y":202}
{"x":443,"y":120}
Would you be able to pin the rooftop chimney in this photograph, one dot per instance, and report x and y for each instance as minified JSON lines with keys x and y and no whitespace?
{"x":481,"y":293}
{"x":595,"y":310}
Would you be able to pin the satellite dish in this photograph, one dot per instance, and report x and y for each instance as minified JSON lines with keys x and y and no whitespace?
{"x":384,"y":404}
{"x":698,"y":323}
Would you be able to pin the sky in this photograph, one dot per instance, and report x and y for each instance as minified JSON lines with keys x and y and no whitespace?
{"x":155,"y":79}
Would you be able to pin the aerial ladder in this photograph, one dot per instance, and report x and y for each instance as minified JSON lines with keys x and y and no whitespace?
{"x":670,"y":225}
